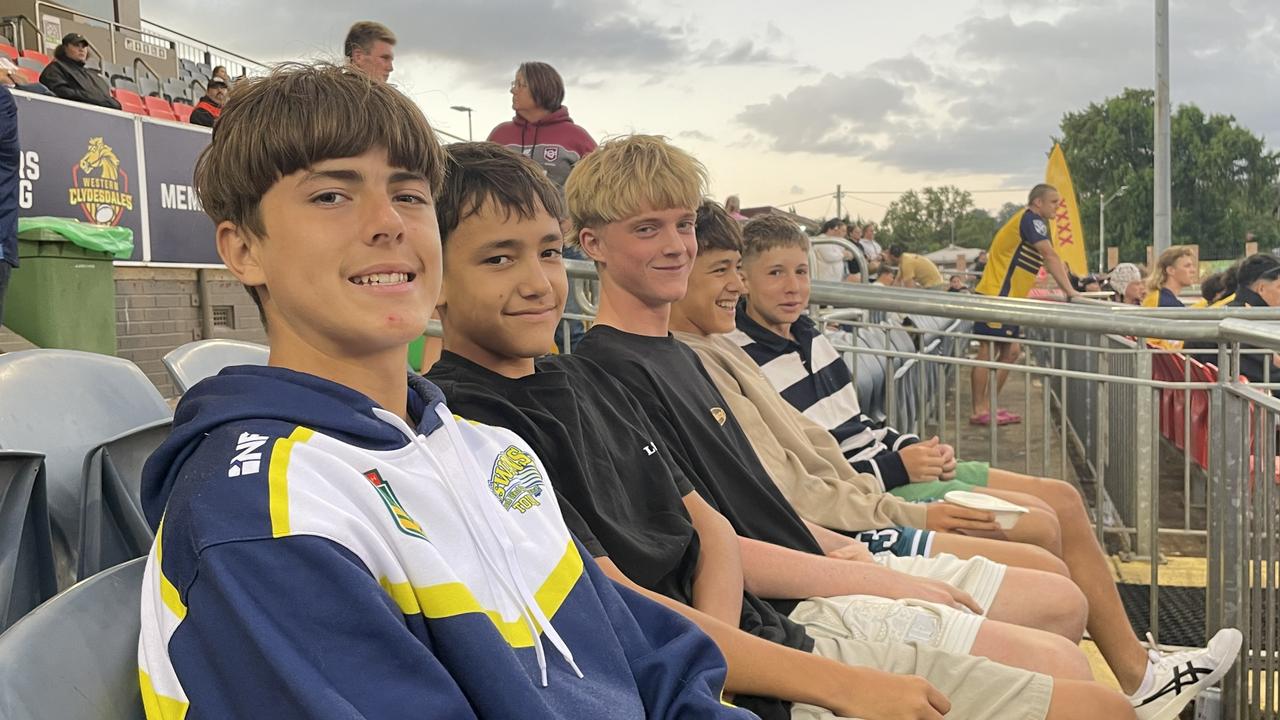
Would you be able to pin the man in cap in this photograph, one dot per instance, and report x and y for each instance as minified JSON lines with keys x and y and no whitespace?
{"x":68,"y":78}
{"x":210,"y":105}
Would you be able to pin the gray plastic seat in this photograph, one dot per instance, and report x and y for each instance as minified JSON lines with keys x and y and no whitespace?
{"x":31,"y":64}
{"x":148,"y":85}
{"x":195,"y":361}
{"x":66,"y":403}
{"x":27,"y":573}
{"x":76,"y":656}
{"x":121,"y":82}
{"x":113,"y":528}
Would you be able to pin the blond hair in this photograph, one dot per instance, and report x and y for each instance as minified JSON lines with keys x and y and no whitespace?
{"x":767,"y":232}
{"x":1157,"y":277}
{"x":628,"y":175}
{"x":364,"y":34}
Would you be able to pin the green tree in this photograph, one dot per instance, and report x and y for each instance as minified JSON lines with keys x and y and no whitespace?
{"x":1005,"y":212}
{"x":1224,"y":178}
{"x":929,"y":219}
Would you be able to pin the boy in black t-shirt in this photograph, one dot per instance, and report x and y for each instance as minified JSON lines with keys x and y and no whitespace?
{"x":614,"y":477}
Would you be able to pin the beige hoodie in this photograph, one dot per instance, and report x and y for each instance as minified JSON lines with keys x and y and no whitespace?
{"x":801,"y":456}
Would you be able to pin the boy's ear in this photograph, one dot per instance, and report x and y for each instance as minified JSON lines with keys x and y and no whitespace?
{"x":239,"y":252}
{"x":589,"y":241}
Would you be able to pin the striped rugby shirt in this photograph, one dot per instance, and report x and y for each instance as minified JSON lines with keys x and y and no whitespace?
{"x":809,"y":373}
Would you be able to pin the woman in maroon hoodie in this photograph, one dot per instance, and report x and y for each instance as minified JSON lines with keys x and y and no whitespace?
{"x":542,"y":128}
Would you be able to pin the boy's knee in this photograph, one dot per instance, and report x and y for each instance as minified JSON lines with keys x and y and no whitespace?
{"x":1066,"y":608}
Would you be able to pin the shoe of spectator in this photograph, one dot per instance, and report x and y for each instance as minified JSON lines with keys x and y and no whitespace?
{"x":1176,"y":678}
{"x":1007,"y":417}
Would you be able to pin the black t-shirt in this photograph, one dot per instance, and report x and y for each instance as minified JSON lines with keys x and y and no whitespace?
{"x":694,"y":420}
{"x":618,"y":489}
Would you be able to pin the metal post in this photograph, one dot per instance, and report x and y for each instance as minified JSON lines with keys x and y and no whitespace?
{"x":838,"y":195}
{"x":1163,"y":179}
{"x":1146,"y":421}
{"x":1102,"y":235}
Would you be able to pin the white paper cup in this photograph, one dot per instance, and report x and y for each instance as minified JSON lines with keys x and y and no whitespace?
{"x":1006,"y":513}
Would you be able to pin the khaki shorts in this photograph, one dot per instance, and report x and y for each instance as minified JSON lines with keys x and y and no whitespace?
{"x":978,"y":576}
{"x":875,"y":619}
{"x":978,"y":689}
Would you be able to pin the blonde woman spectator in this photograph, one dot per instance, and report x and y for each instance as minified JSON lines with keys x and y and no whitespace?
{"x":1175,"y":271}
{"x":733,"y":206}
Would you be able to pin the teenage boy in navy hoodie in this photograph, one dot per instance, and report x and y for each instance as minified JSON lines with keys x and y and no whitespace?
{"x":332,"y":542}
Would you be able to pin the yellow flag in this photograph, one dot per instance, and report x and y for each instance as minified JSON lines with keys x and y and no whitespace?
{"x":1068,"y":232}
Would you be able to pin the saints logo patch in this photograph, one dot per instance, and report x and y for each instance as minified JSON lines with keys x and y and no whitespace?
{"x":1040,"y":227}
{"x":515,"y":480}
{"x":407,"y":524}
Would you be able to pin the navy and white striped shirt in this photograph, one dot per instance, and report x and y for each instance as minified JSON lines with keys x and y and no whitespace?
{"x":809,"y":373}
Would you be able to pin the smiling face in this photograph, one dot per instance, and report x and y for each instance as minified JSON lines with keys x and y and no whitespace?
{"x":349,"y":264}
{"x":504,"y":290}
{"x":647,"y":256}
{"x":777,"y":287}
{"x":715,"y":285}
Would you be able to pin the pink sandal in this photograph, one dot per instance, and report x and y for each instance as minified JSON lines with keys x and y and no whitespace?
{"x":1005,"y":417}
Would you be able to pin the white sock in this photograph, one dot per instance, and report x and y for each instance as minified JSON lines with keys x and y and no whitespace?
{"x":1148,"y":680}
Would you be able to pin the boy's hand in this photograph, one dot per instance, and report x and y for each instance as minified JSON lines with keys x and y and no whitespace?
{"x":945,"y":517}
{"x":923,"y":461}
{"x":934,"y":591}
{"x":854,"y":551}
{"x":878,"y":695}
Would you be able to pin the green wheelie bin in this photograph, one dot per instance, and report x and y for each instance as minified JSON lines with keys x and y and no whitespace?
{"x":63,"y":293}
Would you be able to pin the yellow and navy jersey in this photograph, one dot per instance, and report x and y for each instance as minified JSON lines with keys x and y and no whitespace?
{"x":1013,"y":262}
{"x":356,"y":566}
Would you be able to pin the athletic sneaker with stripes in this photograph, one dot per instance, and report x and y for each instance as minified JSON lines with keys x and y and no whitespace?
{"x":1174,"y":679}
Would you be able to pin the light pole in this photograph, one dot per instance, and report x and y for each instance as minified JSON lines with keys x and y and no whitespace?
{"x":467,"y":110}
{"x":1102,"y":228}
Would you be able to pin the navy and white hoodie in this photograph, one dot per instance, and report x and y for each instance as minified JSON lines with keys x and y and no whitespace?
{"x":316,"y":557}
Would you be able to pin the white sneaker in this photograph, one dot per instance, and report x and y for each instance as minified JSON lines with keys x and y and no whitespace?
{"x":1178,"y":677}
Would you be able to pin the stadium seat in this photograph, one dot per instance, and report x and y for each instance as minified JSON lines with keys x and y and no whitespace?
{"x":39,"y":56}
{"x":27,"y":571}
{"x":187,"y":66}
{"x":129,"y":101}
{"x":65,"y":404}
{"x":158,"y":107}
{"x":32,"y":63}
{"x":29,"y":75}
{"x":182,"y":111}
{"x":9,"y":50}
{"x":148,"y":85}
{"x":114,"y":527}
{"x":76,"y":656}
{"x":195,"y":361}
{"x":123,"y":83}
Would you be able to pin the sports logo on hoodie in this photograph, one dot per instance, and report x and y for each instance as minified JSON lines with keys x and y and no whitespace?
{"x":407,"y":524}
{"x":550,"y":153}
{"x":515,"y":480}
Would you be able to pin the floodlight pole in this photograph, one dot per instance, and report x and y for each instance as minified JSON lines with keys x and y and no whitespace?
{"x":1163,"y":220}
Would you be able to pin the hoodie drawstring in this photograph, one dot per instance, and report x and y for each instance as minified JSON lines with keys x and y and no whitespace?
{"x":530,"y":611}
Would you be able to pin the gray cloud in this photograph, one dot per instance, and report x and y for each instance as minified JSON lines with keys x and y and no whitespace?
{"x":994,"y":90}
{"x":695,"y":135}
{"x":489,"y":37}
{"x":796,"y":190}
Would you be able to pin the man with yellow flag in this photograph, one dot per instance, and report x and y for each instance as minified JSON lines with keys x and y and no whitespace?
{"x":1019,"y":250}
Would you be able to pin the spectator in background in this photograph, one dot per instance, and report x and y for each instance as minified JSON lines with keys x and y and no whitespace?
{"x":68,"y":78}
{"x":1257,"y":285}
{"x":1219,"y":289}
{"x":1175,"y":271}
{"x":221,"y":72}
{"x":370,"y":46}
{"x":210,"y":106}
{"x":956,"y":284}
{"x":871,"y":249}
{"x":980,"y":262}
{"x":11,"y":78}
{"x":1087,"y":284}
{"x":542,"y":128}
{"x":831,"y":261}
{"x":1126,"y":281}
{"x":543,"y":131}
{"x":9,"y":151}
{"x":914,"y":270}
{"x":733,"y":206}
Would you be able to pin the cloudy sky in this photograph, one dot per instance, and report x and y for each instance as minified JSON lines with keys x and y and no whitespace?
{"x":784,"y":100}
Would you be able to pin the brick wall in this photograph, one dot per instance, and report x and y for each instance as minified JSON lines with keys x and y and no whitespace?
{"x":158,"y":309}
